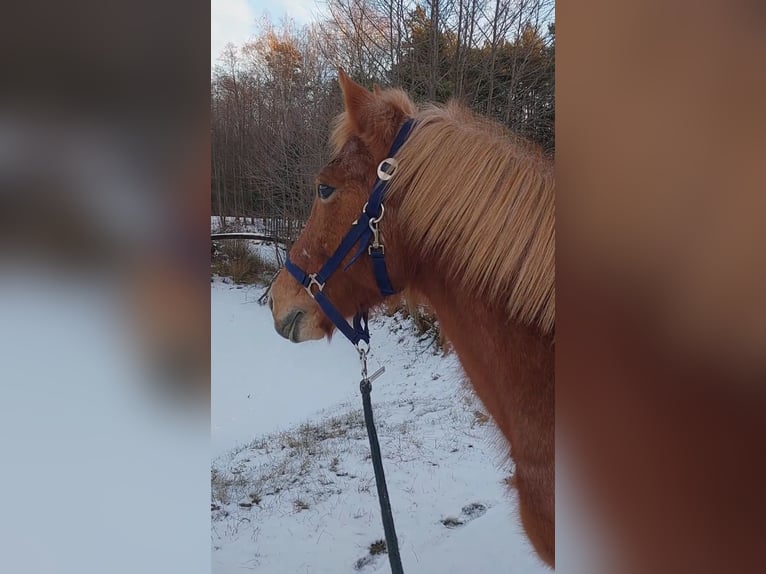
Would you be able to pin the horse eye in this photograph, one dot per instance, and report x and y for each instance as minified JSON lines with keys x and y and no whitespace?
{"x":324,"y":190}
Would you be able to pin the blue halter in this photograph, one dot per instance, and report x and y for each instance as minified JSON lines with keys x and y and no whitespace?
{"x":364,"y":232}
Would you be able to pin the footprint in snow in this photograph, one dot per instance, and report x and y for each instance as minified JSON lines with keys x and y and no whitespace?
{"x":467,"y":513}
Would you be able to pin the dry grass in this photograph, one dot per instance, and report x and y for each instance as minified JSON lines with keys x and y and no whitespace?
{"x":480,"y":417}
{"x":288,"y":458}
{"x":378,"y":547}
{"x":233,"y":258}
{"x":223,"y":485}
{"x":413,"y":306}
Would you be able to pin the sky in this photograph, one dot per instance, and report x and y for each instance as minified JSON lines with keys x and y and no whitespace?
{"x":234,"y":20}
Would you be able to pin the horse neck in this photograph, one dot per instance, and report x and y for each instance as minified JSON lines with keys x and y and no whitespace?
{"x":510,"y":366}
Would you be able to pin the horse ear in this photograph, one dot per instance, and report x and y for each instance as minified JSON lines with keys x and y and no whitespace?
{"x":376,"y":89}
{"x":357,"y":99}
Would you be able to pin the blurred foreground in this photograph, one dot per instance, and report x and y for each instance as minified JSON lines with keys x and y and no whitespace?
{"x":104,"y":288}
{"x":661,"y":284}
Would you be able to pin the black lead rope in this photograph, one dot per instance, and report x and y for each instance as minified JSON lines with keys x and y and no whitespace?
{"x":392,"y":545}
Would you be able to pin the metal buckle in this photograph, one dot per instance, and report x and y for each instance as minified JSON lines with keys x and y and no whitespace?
{"x":313,"y":281}
{"x":379,"y":247}
{"x":386,"y":175}
{"x":375,"y":236}
{"x":373,"y":224}
{"x":363,"y":357}
{"x":363,"y":351}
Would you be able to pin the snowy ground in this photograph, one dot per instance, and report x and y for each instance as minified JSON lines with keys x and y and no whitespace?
{"x":293,"y":486}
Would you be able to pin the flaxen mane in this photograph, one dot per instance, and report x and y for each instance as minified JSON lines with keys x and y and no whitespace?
{"x":480,"y":201}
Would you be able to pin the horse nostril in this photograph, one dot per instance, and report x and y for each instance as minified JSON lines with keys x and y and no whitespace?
{"x":289,"y":327}
{"x":293,"y":331}
{"x":271,"y":303}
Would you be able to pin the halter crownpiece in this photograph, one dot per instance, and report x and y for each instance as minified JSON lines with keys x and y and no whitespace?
{"x":364,"y":232}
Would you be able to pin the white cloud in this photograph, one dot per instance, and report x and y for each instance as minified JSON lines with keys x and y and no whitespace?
{"x":302,"y":11}
{"x":230,"y":21}
{"x":234,"y":20}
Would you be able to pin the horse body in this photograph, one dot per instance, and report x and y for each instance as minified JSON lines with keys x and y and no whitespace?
{"x":469,"y":227}
{"x":511,"y":369}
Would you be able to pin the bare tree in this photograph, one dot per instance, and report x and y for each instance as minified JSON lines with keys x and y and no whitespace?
{"x":273,"y":100}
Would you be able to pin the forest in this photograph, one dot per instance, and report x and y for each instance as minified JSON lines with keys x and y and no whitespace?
{"x":274,"y":98}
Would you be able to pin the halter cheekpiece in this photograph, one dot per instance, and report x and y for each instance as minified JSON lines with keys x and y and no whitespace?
{"x":364,"y":232}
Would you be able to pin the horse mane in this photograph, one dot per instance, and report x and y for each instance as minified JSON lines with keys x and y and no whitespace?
{"x":478,"y":201}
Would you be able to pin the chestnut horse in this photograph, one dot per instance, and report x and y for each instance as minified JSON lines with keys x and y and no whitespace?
{"x":468,"y":226}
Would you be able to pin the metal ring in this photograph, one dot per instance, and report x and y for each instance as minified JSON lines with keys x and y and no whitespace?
{"x":386,"y":175}
{"x":362,"y":350}
{"x":376,"y":220}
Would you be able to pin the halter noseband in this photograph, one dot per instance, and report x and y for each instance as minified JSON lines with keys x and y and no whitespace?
{"x":365,"y":232}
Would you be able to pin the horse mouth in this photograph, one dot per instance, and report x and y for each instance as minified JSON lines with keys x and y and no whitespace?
{"x":290,"y":326}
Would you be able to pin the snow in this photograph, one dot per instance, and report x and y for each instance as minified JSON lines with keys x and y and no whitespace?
{"x":262,"y":382}
{"x":289,"y":444}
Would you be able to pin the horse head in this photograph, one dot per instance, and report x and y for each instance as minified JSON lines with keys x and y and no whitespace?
{"x":362,"y":138}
